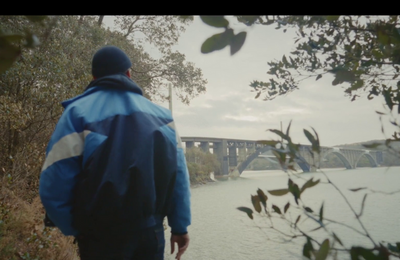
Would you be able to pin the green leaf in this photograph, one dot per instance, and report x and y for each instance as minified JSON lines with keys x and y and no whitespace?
{"x":388,"y":98}
{"x":288,"y":128}
{"x":248,"y":211}
{"x":318,"y":77}
{"x":294,"y":189}
{"x":276,"y":209}
{"x":357,"y":189}
{"x":286,"y":207}
{"x":297,"y":220}
{"x":256,"y":203}
{"x":237,"y":42}
{"x":332,"y":18}
{"x":215,"y":21}
{"x":309,"y":136}
{"x":308,"y":248}
{"x":16,"y":38}
{"x":310,"y":183}
{"x":322,"y":254}
{"x":278,"y":192}
{"x":321,"y":212}
{"x":36,"y":18}
{"x":337,"y":238}
{"x":367,"y":254}
{"x":308,"y":209}
{"x":278,"y":132}
{"x":263,"y":198}
{"x":8,"y":55}
{"x":217,"y":41}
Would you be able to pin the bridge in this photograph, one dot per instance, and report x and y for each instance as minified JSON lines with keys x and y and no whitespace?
{"x":238,"y":154}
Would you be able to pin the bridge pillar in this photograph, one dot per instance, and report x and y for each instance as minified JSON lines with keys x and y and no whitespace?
{"x":251,"y":147}
{"x":189,"y":144}
{"x":232,"y":156}
{"x":242,"y":153}
{"x":220,"y":149}
{"x":205,"y":146}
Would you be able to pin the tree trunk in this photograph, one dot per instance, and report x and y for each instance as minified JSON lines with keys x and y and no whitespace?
{"x":100,"y":21}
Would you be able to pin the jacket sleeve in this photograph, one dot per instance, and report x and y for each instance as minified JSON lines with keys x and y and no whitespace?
{"x":180,"y":217}
{"x":60,"y":170}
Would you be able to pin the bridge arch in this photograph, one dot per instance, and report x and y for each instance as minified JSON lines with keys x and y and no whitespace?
{"x":301,"y":161}
{"x":341,"y":156}
{"x":369,"y":157}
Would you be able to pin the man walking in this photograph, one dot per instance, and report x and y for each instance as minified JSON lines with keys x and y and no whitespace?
{"x":115,"y":168}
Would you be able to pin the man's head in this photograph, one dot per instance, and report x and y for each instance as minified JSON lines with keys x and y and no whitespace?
{"x":110,"y":60}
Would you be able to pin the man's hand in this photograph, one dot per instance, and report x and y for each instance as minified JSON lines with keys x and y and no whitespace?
{"x":183,"y":243}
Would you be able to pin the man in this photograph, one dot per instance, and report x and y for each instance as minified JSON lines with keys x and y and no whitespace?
{"x":115,"y":168}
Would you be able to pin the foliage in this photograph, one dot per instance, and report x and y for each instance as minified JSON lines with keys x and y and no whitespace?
{"x":201,"y":164}
{"x":39,"y":79}
{"x":314,"y":247}
{"x":361,"y":52}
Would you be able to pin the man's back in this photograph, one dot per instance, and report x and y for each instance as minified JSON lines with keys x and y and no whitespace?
{"x":114,"y":164}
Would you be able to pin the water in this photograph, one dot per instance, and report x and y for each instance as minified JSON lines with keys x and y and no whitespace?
{"x":219,"y":231}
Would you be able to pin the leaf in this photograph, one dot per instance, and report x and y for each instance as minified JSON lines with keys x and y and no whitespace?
{"x":337,"y":238}
{"x":357,"y":189}
{"x":318,"y":77}
{"x":332,"y":18}
{"x":322,"y":254}
{"x":362,"y":204}
{"x":215,"y":21}
{"x":237,"y":42}
{"x":309,"y":136}
{"x":36,"y":18}
{"x":308,"y":209}
{"x":217,"y":41}
{"x":8,"y":55}
{"x":256,"y":203}
{"x":263,"y":198}
{"x":288,"y":128}
{"x":286,"y":207}
{"x":278,"y":192}
{"x":278,"y":132}
{"x":297,"y":220}
{"x":310,"y":183}
{"x":321,"y":212}
{"x":308,"y":248}
{"x":276,"y":208}
{"x":388,"y":98}
{"x":11,"y":37}
{"x":248,"y":211}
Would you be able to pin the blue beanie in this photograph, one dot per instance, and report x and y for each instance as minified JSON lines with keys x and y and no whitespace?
{"x":110,"y":60}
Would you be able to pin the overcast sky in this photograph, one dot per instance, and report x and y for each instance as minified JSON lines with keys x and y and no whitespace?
{"x":228,"y":109}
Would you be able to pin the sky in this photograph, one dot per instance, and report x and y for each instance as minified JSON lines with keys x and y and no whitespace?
{"x":229,"y":109}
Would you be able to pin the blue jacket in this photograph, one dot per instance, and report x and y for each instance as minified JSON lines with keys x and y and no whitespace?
{"x":115,"y":163}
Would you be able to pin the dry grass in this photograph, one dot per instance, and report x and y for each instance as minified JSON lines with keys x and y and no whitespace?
{"x":23,"y":235}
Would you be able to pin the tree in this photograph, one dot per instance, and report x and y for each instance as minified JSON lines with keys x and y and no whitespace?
{"x":171,"y":67}
{"x":201,"y":164}
{"x":362,"y":52}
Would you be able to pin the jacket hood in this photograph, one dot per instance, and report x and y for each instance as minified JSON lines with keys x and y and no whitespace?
{"x":116,"y":81}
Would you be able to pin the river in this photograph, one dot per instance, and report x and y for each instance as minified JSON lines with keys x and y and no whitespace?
{"x":221,"y":232}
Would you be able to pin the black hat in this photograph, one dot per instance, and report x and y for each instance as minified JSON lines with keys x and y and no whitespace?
{"x":109,"y":60}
